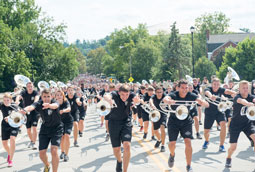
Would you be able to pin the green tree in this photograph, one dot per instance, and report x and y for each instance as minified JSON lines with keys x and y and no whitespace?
{"x":241,"y":59}
{"x":95,"y":65}
{"x":204,"y":67}
{"x":216,"y":23}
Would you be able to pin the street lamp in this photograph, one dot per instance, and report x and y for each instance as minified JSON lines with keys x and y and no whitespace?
{"x":192,"y":30}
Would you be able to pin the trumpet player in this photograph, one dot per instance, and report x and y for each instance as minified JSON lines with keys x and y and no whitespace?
{"x":240,"y":123}
{"x":8,"y":132}
{"x":184,"y":127}
{"x":120,"y":124}
{"x":212,"y":113}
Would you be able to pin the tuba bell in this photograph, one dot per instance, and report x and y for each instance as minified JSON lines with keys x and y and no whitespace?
{"x":43,"y":85}
{"x":16,"y":119}
{"x":53,"y":84}
{"x":249,"y":112}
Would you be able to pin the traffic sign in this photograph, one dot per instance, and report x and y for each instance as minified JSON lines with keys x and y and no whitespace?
{"x":131,"y":79}
{"x":111,"y":80}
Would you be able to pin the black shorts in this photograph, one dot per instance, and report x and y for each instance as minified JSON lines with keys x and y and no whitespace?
{"x":107,"y":117}
{"x":145,"y":116}
{"x":134,"y":109}
{"x":193,"y":112}
{"x":228,"y":113}
{"x":120,"y":131}
{"x":139,"y":112}
{"x":8,"y":131}
{"x":162,"y":121}
{"x":67,"y":128}
{"x":210,"y":118}
{"x":50,"y":134}
{"x":32,"y":119}
{"x":82,"y":115}
{"x":176,"y":126}
{"x":235,"y":129}
{"x":75,"y":116}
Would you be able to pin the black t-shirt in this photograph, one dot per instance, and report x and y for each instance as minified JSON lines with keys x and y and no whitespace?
{"x":72,"y":101}
{"x":123,"y":110}
{"x":28,"y":99}
{"x":237,"y":119}
{"x":50,"y":117}
{"x":197,"y":88}
{"x":6,"y":111}
{"x":81,"y":108}
{"x":157,"y":101}
{"x":146,"y":99}
{"x":189,"y":97}
{"x":65,"y":117}
{"x":213,"y":108}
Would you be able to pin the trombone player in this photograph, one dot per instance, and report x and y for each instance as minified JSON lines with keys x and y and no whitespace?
{"x":212,"y":113}
{"x":184,"y":127}
{"x":240,"y":123}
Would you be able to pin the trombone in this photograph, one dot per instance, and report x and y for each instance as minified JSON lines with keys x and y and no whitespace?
{"x":248,"y":111}
{"x":154,"y":114}
{"x":103,"y":107}
{"x":222,"y":103}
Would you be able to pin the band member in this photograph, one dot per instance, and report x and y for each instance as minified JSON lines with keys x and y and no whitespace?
{"x":82,"y":111}
{"x":67,"y":120}
{"x":196,"y":87}
{"x":100,"y":96}
{"x":74,"y":102}
{"x":120,"y":124}
{"x":240,"y":123}
{"x":51,"y":129}
{"x":145,"y":115}
{"x":184,"y":127}
{"x":193,"y":112}
{"x":141,"y":92}
{"x":161,"y":124}
{"x":212,"y":113}
{"x":30,"y":96}
{"x":8,"y":132}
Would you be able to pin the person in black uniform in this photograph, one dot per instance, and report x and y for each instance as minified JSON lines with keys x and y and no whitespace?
{"x":161,"y":124}
{"x":74,"y":101}
{"x":196,"y":87}
{"x":8,"y":132}
{"x":120,"y":124}
{"x":100,"y":96}
{"x":184,"y":127}
{"x":67,"y":120}
{"x":51,"y":129}
{"x":141,"y":92}
{"x":82,"y":111}
{"x":240,"y":123}
{"x":193,"y":112}
{"x":29,"y":96}
{"x":145,"y":99}
{"x":212,"y":113}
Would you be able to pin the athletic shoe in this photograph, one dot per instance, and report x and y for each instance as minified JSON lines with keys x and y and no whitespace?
{"x":30,"y":144}
{"x":46,"y":168}
{"x":10,"y":164}
{"x":218,"y":128}
{"x":171,"y":161}
{"x":80,"y":134}
{"x":228,"y":163}
{"x":141,"y":128}
{"x":34,"y":146}
{"x":162,"y":149}
{"x":228,"y":135}
{"x":205,"y":145}
{"x":76,"y":144}
{"x":107,"y":138}
{"x":252,"y":143}
{"x":192,"y":138}
{"x":145,"y":135}
{"x":119,"y":167}
{"x":157,"y":144}
{"x":188,"y":168}
{"x":8,"y":158}
{"x":200,"y":123}
{"x":62,"y":155}
{"x":153,"y":138}
{"x":19,"y":131}
{"x":199,"y":136}
{"x":66,"y":158}
{"x":222,"y":148}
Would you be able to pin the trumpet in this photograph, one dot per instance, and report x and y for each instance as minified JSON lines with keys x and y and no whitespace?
{"x":104,"y":108}
{"x":181,"y":111}
{"x":249,"y":111}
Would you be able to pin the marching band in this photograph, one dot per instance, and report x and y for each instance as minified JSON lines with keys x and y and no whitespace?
{"x":60,"y":109}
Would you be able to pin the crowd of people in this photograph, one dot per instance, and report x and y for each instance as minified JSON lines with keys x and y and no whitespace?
{"x":62,"y":112}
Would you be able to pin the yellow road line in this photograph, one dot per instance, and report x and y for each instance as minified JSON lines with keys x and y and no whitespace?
{"x":174,"y":169}
{"x":147,"y":150}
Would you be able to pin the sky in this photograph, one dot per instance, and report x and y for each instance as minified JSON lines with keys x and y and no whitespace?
{"x":95,"y":19}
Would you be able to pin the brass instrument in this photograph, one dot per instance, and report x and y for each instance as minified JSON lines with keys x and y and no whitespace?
{"x":21,"y":82}
{"x":154,"y":114}
{"x":104,"y":108}
{"x":222,"y":103}
{"x":53,"y":84}
{"x":249,"y":112}
{"x":16,"y":119}
{"x":43,"y":85}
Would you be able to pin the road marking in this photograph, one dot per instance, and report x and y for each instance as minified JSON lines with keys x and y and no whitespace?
{"x":147,"y":150}
{"x":174,"y":169}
